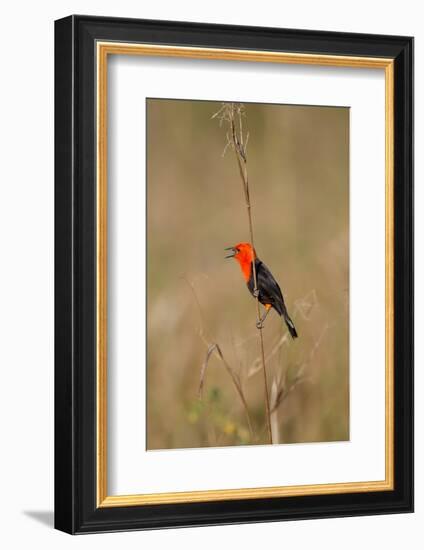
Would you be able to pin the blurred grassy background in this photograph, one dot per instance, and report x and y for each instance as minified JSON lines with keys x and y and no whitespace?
{"x":298,"y":163}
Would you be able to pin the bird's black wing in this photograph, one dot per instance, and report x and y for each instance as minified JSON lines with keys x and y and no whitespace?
{"x":269,"y":291}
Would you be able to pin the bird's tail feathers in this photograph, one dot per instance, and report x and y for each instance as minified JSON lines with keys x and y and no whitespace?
{"x":290,"y":326}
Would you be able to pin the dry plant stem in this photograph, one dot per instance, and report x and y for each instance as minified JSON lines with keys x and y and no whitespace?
{"x":284,"y":391}
{"x":214,"y":349}
{"x":240,"y":151}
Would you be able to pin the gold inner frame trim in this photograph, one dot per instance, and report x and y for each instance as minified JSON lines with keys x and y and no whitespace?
{"x":104,"y":49}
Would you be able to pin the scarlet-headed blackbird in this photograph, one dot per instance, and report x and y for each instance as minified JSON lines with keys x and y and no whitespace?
{"x":269,"y":293}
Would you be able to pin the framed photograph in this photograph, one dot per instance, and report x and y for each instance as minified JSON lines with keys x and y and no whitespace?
{"x":234,"y":274}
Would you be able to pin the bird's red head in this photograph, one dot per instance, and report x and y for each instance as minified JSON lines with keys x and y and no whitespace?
{"x":244,"y":254}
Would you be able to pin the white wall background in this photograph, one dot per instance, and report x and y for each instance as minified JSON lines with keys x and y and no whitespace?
{"x":26,"y":273}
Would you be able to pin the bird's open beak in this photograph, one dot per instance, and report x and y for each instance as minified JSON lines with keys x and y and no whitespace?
{"x":233,"y":252}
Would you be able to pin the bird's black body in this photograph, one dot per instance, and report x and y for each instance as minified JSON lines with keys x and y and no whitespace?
{"x":270,"y":293}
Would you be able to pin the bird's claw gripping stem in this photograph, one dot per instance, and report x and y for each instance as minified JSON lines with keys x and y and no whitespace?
{"x":260,"y":322}
{"x":255,"y":292}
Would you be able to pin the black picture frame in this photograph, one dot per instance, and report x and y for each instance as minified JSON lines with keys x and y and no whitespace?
{"x":76,"y":510}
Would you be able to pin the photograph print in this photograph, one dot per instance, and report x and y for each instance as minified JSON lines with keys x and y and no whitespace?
{"x":247,"y":274}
